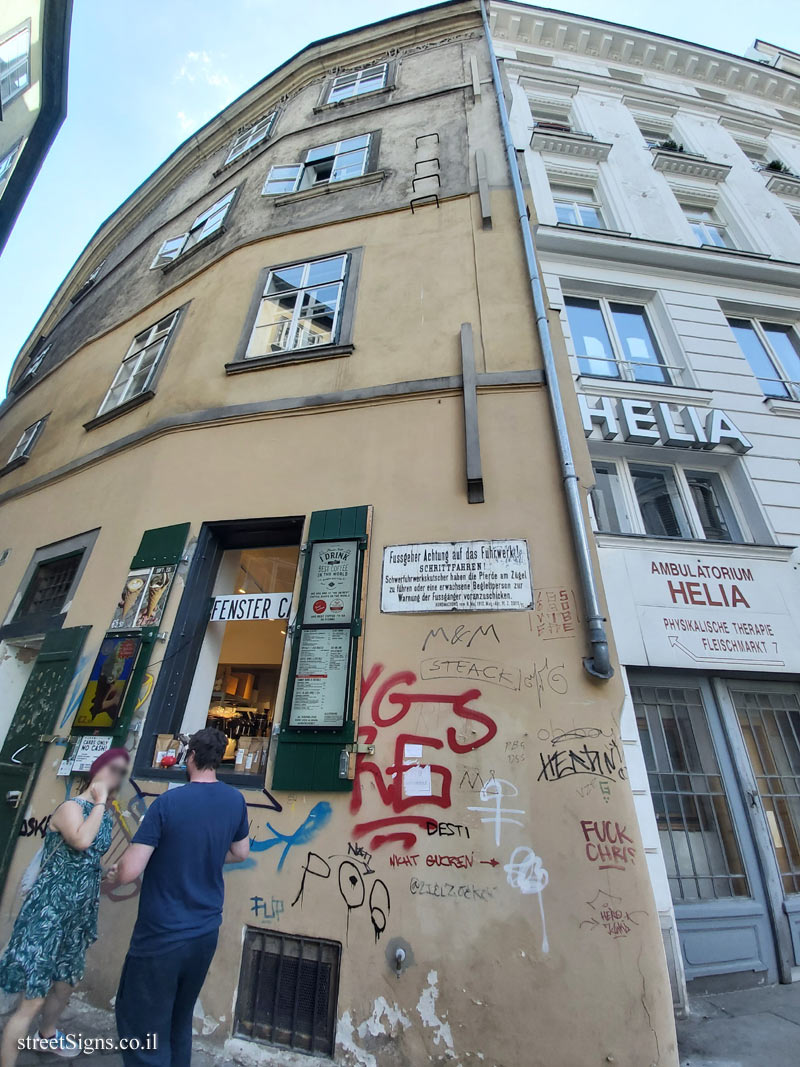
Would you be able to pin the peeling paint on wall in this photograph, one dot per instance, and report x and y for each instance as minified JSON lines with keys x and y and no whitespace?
{"x":426,"y":1006}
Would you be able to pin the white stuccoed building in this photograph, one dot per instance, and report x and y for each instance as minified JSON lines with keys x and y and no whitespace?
{"x":665,"y":178}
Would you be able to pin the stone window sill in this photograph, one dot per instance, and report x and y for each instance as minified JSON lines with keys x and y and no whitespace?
{"x":334,"y":104}
{"x":173,"y":263}
{"x":781,"y":406}
{"x":121,"y":409}
{"x":297,"y":355}
{"x":15,"y":464}
{"x":325,"y":190}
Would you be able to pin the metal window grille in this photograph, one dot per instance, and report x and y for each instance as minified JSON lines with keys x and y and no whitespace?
{"x":770,"y":723}
{"x":697,"y":835}
{"x":50,"y":586}
{"x":288,"y":989}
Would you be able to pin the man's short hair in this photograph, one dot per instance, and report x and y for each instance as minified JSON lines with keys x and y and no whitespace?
{"x":208,"y":747}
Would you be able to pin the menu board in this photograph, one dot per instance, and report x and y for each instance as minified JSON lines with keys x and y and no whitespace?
{"x":330,"y":594}
{"x":319,"y":698}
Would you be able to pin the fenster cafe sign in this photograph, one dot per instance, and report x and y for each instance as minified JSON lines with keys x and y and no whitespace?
{"x":644,"y":423}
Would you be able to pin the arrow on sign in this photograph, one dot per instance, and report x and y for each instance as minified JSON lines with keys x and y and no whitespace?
{"x":675,"y":642}
{"x":493,"y":862}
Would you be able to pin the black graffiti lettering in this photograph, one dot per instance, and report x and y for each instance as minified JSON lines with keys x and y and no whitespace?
{"x":379,"y":907}
{"x":34,"y":827}
{"x":325,"y":872}
{"x":446,"y":829}
{"x":359,"y":853}
{"x":461,"y":635}
{"x":605,"y":762}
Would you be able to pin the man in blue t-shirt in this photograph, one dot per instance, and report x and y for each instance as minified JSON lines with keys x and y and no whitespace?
{"x":180,"y":848}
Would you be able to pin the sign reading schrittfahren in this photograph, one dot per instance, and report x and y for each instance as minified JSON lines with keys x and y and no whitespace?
{"x":457,"y":576}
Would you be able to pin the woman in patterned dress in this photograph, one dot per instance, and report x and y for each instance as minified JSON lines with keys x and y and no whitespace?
{"x":46,"y":955}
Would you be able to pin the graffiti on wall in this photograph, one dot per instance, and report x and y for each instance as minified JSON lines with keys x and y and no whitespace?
{"x":610,"y":915}
{"x":356,"y":884}
{"x":493,"y":794}
{"x":608,"y":844}
{"x":407,"y":785}
{"x":580,"y":750}
{"x":316,"y":820}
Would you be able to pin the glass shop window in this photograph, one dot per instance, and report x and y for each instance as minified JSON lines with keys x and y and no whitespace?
{"x":236,"y":680}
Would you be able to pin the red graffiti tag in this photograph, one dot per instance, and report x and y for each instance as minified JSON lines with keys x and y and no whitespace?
{"x":391,"y":702}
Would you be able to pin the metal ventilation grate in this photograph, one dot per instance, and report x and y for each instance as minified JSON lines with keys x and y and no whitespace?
{"x":288,"y":990}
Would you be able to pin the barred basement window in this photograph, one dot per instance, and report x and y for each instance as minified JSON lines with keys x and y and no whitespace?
{"x":288,"y":989}
{"x":49,"y":587}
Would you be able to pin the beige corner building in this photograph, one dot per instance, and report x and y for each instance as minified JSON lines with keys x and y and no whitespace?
{"x":282,"y":457}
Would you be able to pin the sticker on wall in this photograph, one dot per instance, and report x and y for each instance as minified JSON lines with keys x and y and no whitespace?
{"x":330,"y":594}
{"x":89,"y":748}
{"x":457,"y":576}
{"x":102,"y":702}
{"x":143,"y":598}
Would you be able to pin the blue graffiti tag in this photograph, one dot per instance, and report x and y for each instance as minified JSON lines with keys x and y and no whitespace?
{"x":317,"y":818}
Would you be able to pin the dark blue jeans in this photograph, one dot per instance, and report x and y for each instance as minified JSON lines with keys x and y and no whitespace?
{"x":157,"y":995}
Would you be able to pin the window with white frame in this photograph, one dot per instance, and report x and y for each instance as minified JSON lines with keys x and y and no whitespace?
{"x":250,"y":137}
{"x":328,"y":163}
{"x":577,"y":206}
{"x":654,"y":138}
{"x":662,"y":501}
{"x":34,"y":363}
{"x":210,"y":223}
{"x":24,"y":446}
{"x":139,"y":366}
{"x":7,"y":165}
{"x":773,"y":351}
{"x":15,"y":65}
{"x":300,"y":308}
{"x":708,"y":226}
{"x":614,"y":340}
{"x":358,"y":82}
{"x":551,"y":113}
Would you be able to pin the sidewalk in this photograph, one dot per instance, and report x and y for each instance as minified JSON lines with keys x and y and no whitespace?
{"x":80,"y":1018}
{"x":748,"y":1028}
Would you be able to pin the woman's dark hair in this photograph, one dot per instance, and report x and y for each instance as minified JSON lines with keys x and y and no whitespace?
{"x":208,"y":747}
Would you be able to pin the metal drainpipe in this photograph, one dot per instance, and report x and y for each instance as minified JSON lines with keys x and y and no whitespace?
{"x":598,"y":665}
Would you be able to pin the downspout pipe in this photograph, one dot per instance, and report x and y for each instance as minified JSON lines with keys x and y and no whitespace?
{"x":598,"y":664}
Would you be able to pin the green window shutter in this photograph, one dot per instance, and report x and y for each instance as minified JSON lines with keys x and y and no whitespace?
{"x":309,"y":760}
{"x":44,"y":692}
{"x":161,"y":547}
{"x":36,"y":715}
